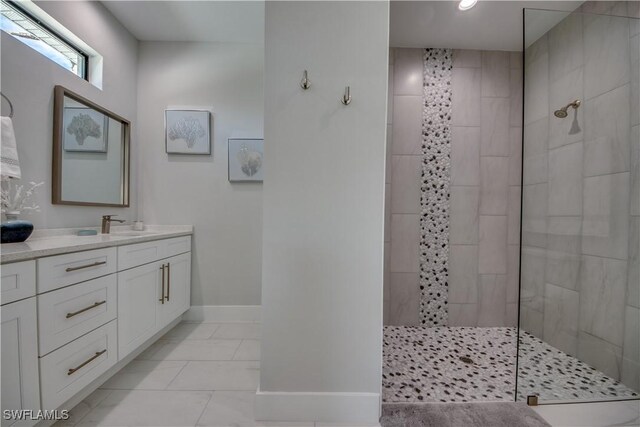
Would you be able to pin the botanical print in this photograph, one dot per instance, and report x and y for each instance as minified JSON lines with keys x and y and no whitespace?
{"x":85,"y":129}
{"x":188,"y":131}
{"x":250,"y":161}
{"x":83,"y":126}
{"x":246,"y":159}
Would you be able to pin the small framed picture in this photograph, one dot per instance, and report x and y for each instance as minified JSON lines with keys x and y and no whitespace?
{"x":187,"y":131}
{"x":85,"y":130}
{"x":246,"y":160}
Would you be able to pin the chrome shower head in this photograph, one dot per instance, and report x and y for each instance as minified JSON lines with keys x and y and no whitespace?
{"x":562,"y":113}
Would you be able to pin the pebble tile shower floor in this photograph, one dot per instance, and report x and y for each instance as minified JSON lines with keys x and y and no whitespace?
{"x":466,"y":364}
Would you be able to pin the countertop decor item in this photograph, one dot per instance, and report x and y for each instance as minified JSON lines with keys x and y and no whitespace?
{"x":87,"y":232}
{"x":15,"y":199}
{"x":14,"y":231}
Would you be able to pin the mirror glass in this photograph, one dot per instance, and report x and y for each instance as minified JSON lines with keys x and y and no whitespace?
{"x":91,"y":146}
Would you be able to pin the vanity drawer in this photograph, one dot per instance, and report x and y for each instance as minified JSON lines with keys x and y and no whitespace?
{"x":130,"y":256}
{"x":140,"y":253}
{"x":18,"y":281}
{"x":63,"y":270}
{"x":69,"y":369}
{"x":68,"y":313}
{"x":177,"y":245}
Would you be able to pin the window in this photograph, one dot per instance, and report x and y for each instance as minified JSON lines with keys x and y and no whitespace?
{"x":23,"y":26}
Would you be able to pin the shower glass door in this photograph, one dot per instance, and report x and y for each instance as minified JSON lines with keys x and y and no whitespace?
{"x":579,"y":318}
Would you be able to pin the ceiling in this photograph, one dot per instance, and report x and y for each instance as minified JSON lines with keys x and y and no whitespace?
{"x":490,"y":25}
{"x":196,"y":21}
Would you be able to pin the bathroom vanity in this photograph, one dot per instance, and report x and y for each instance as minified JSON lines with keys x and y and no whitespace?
{"x":76,"y":309}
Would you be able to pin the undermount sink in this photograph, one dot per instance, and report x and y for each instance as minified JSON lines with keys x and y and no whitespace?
{"x":132,"y":233}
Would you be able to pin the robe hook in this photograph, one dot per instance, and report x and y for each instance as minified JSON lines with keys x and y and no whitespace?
{"x":346,"y":98}
{"x":305,"y":83}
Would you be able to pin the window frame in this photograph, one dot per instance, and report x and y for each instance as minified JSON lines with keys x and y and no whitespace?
{"x":47,"y":28}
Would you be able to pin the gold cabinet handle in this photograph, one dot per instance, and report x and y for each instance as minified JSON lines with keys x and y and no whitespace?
{"x":95,"y":264}
{"x":75,"y":313}
{"x":86,"y":362}
{"x":168,"y":279}
{"x":162,"y":295}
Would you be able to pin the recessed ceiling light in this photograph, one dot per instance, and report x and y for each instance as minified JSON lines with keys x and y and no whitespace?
{"x":467,"y":4}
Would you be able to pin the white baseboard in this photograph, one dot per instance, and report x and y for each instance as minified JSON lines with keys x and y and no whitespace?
{"x":363,"y":408}
{"x":223,"y":313}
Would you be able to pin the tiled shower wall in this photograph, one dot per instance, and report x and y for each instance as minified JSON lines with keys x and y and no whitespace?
{"x":485,"y":188}
{"x":581,"y":212}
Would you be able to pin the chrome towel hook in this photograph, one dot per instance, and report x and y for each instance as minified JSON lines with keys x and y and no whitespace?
{"x":305,"y":83}
{"x":346,"y":98}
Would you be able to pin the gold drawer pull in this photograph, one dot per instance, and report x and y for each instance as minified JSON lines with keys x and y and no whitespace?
{"x":168,"y":280}
{"x":162,"y":296}
{"x":95,"y":264}
{"x":85,"y":363}
{"x":97,"y":304}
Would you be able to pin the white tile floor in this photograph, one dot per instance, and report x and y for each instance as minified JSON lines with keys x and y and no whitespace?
{"x":205,"y":374}
{"x":198,"y":374}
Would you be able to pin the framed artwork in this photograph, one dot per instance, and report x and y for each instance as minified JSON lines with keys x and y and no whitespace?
{"x":85,"y":130}
{"x":187,"y":131}
{"x":246,"y":160}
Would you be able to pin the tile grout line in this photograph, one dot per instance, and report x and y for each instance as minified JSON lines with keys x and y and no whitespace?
{"x":236,"y":351}
{"x":92,"y":409}
{"x":204,"y":408}
{"x":176,"y":376}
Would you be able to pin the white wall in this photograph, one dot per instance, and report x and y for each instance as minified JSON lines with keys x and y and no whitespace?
{"x":323,"y":211}
{"x":28,"y":79}
{"x":189,"y":189}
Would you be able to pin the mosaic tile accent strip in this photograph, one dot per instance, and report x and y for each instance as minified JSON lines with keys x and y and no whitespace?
{"x":436,"y":177}
{"x":466,"y":364}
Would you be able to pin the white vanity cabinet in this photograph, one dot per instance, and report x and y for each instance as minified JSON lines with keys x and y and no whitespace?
{"x":18,"y":281}
{"x":70,"y":319}
{"x":178,"y":290}
{"x":20,"y":380}
{"x":138,"y":293}
{"x":20,"y":386}
{"x":150,"y":297}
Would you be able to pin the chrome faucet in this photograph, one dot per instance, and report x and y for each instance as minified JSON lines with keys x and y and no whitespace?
{"x":106,"y":223}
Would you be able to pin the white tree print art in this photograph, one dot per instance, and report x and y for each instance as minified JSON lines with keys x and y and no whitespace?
{"x":85,"y":129}
{"x":83,"y":126}
{"x":188,"y":131}
{"x":250,"y":161}
{"x":246,"y":160}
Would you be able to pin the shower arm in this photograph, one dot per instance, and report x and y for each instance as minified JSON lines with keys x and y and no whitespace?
{"x":575,"y":104}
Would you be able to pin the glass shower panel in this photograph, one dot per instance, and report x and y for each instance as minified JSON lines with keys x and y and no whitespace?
{"x":579,"y":335}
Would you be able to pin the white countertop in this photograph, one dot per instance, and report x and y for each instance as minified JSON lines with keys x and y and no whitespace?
{"x":65,"y":240}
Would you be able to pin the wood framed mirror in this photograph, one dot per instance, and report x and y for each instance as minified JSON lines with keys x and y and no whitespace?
{"x":91,"y":153}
